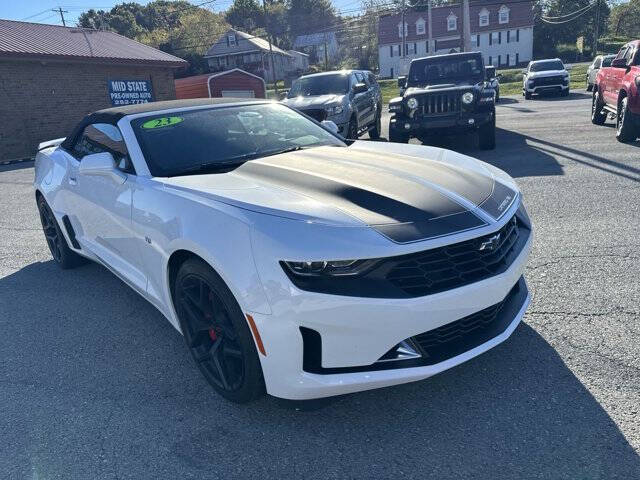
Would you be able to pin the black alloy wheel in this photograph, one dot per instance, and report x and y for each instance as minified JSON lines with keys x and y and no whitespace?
{"x":375,"y":132}
{"x":598,"y":117}
{"x":216,"y":333}
{"x":352,"y":130}
{"x":60,"y":251}
{"x":625,"y":130}
{"x":51,"y":232}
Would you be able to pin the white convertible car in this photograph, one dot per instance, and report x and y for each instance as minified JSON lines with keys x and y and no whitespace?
{"x":292,"y":262}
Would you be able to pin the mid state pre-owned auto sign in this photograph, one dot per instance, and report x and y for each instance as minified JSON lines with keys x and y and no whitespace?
{"x":126,"y":92}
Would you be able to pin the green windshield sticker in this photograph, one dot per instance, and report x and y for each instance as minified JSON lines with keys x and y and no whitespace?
{"x":162,"y":122}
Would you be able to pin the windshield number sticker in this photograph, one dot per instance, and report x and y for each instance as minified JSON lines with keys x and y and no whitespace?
{"x":162,"y":122}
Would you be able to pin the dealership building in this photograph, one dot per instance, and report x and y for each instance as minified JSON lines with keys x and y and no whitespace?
{"x":501,"y":31}
{"x":51,"y":76}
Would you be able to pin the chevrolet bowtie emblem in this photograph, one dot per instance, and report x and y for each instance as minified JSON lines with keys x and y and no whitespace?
{"x":490,"y":244}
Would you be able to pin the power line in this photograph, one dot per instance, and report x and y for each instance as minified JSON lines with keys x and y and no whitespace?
{"x":61,"y":12}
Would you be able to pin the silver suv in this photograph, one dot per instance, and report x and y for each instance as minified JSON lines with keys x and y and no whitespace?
{"x":349,"y":98}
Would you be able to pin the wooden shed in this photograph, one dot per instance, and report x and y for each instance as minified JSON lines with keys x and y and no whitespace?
{"x":232,"y":83}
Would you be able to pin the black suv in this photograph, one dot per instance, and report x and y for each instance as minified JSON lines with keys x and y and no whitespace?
{"x":444,"y":94}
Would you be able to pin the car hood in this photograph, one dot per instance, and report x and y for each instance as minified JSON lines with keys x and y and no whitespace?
{"x":461,"y":85}
{"x":547,"y":73}
{"x":407,"y":193}
{"x":311,"y":102}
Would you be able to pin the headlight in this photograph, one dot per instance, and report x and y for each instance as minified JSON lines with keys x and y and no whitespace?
{"x":337,"y":110}
{"x":467,"y":98}
{"x":395,"y":107}
{"x":412,"y":103}
{"x":324,"y":268}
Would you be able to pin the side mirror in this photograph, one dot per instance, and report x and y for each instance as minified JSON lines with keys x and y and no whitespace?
{"x":499,"y":75}
{"x":360,"y":88}
{"x":619,"y":63}
{"x":283,"y":94}
{"x":101,"y":164}
{"x":329,"y":125}
{"x":402,"y":81}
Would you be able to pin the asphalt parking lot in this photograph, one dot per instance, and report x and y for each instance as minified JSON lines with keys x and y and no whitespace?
{"x":95,"y":383}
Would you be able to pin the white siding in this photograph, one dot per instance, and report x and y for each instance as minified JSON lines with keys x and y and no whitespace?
{"x":522,"y":49}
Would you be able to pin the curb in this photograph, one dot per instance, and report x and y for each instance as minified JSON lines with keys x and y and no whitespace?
{"x":17,"y":160}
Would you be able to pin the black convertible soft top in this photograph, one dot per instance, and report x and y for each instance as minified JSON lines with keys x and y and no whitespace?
{"x":114,"y":114}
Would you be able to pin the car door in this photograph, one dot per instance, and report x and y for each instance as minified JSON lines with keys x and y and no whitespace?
{"x":100,"y":210}
{"x":364,"y":102}
{"x":374,"y":88}
{"x":615,"y":75}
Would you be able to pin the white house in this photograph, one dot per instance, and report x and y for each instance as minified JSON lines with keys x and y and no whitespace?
{"x":503,"y":32}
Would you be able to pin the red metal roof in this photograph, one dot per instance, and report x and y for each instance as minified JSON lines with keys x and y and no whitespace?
{"x":24,"y":39}
{"x":520,"y":15}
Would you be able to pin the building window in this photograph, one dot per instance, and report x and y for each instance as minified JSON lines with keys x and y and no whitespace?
{"x":478,"y":40}
{"x":517,"y":58}
{"x":508,"y":59}
{"x":406,"y":29}
{"x":499,"y":60}
{"x":231,"y":40}
{"x":503,"y":14}
{"x":499,"y":37}
{"x":452,"y":22}
{"x":435,"y":45}
{"x":483,"y":19}
{"x":508,"y":36}
{"x":391,"y":72}
{"x":415,"y":48}
{"x":490,"y":60}
{"x":426,"y":46}
{"x":490,"y":38}
{"x":391,"y":51}
{"x":420,"y":30}
{"x":518,"y":35}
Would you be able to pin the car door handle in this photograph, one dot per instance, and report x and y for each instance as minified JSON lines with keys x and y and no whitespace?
{"x":73,"y":181}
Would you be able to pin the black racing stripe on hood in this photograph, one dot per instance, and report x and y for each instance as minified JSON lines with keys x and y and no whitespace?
{"x":437,"y":227}
{"x":399,"y":208}
{"x":501,"y":198}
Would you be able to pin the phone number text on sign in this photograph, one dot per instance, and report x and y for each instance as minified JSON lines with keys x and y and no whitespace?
{"x":126,"y":92}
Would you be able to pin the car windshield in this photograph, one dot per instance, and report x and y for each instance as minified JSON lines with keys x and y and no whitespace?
{"x":337,"y":84}
{"x":606,"y":61}
{"x":436,"y":71}
{"x":217,"y":139}
{"x":547,"y":66}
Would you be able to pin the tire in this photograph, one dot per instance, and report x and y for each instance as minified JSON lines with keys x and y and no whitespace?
{"x":625,"y":129}
{"x":487,"y":135}
{"x":527,"y":96}
{"x":216,"y":333}
{"x":598,"y":117}
{"x":352,"y":129}
{"x":589,"y":87}
{"x":375,"y":132}
{"x":565,"y":93}
{"x":498,"y":95}
{"x":60,"y":251}
{"x":397,"y":137}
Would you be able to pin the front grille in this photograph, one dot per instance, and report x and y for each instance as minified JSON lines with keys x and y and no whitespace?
{"x":318,"y":114}
{"x":440,"y":103}
{"x":457,"y":337}
{"x":541,"y":82}
{"x":460,"y":264}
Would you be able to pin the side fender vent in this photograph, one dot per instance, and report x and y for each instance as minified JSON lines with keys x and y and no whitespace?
{"x":70,"y":232}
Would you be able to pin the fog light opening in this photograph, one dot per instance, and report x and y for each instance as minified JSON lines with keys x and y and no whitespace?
{"x":405,"y":350}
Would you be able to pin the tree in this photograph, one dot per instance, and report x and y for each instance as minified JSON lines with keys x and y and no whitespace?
{"x":175,"y":27}
{"x":624,"y":20}
{"x":245,"y":15}
{"x":310,"y":16}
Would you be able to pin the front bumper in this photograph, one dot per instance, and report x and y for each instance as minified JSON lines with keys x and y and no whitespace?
{"x":356,"y":332}
{"x":561,"y":87}
{"x":436,"y":123}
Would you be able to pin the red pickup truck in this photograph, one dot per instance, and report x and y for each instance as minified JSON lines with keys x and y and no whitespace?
{"x":617,"y":93}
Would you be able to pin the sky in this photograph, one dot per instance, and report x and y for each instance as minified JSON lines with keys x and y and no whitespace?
{"x":40,"y":11}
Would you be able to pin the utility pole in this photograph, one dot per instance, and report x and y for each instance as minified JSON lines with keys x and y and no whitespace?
{"x":273,"y":67}
{"x":466,"y":27}
{"x":61,"y":12}
{"x":596,"y":30}
{"x":429,"y":25}
{"x":326,"y":55}
{"x":404,"y":38}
